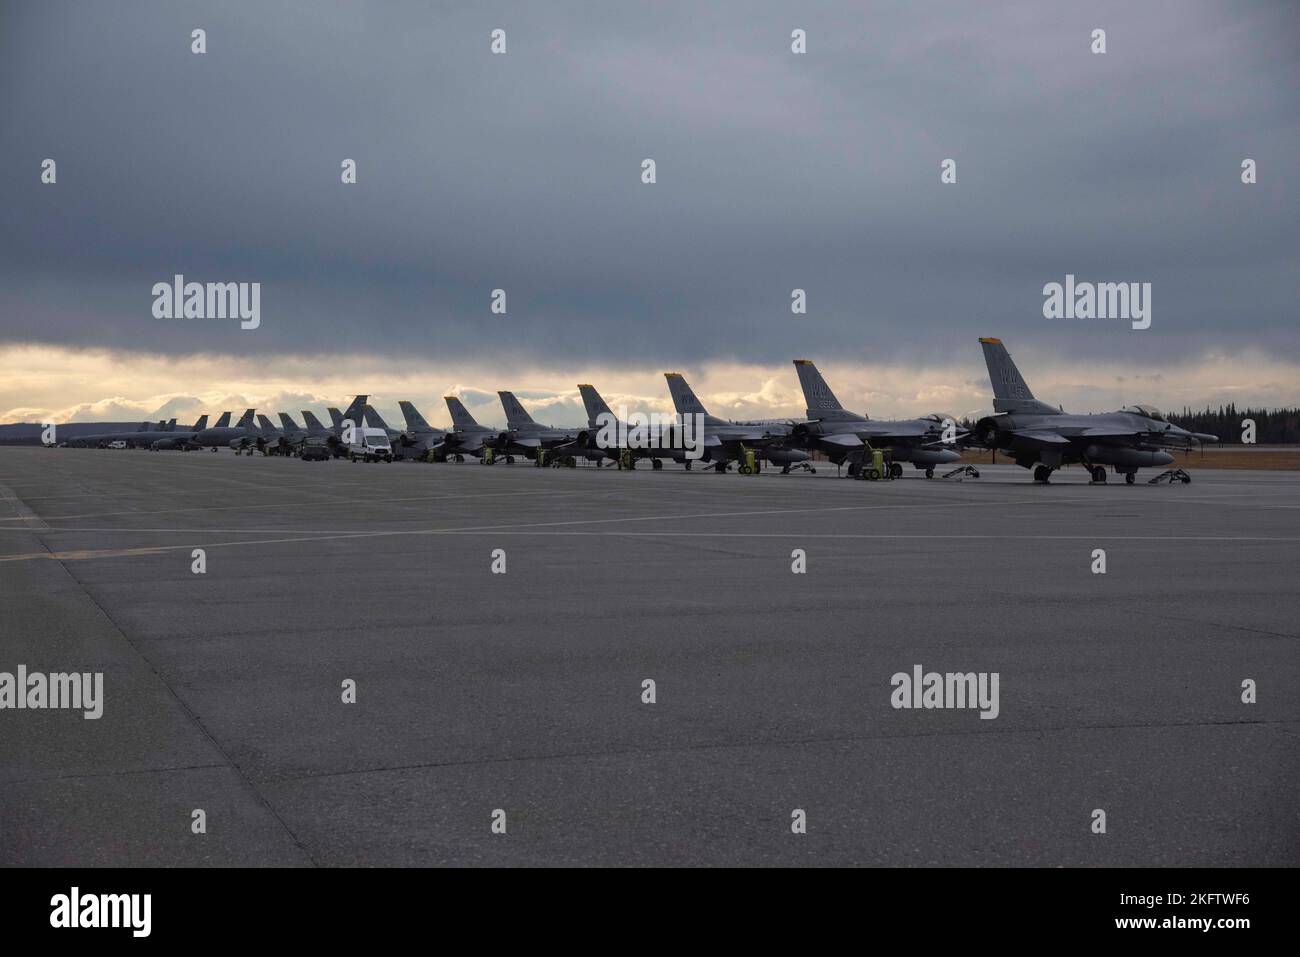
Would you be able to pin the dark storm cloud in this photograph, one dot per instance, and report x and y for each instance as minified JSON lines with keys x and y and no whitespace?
{"x":775,"y":171}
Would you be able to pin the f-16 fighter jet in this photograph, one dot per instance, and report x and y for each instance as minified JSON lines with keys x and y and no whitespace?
{"x":525,"y":437}
{"x":845,"y":436}
{"x":466,"y":436}
{"x":419,"y":438}
{"x":1044,"y":438}
{"x":726,"y":442}
{"x":639,"y":436}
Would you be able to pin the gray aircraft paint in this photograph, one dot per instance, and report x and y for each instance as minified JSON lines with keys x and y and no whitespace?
{"x":845,"y":435}
{"x":726,"y":441}
{"x":524,"y":436}
{"x":1036,"y":434}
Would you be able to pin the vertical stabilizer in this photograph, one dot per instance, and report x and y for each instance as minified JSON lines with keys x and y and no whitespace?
{"x":595,"y":406}
{"x":516,"y":414}
{"x":460,"y":417}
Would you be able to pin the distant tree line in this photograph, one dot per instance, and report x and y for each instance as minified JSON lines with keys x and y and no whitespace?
{"x":1272,"y":426}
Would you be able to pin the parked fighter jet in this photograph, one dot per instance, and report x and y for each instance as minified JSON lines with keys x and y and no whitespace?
{"x":523,"y":436}
{"x":726,"y":442}
{"x":466,"y":436}
{"x":294,"y":434}
{"x":420,"y":438}
{"x":845,"y":436}
{"x":317,"y":434}
{"x":634,"y":441}
{"x":1044,"y":438}
{"x":274,"y":441}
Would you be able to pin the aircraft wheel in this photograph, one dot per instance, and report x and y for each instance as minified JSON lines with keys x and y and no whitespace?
{"x":812,"y":470}
{"x":688,"y":465}
{"x":929,"y":471}
{"x":656,"y":464}
{"x":1099,"y":474}
{"x":786,"y":470}
{"x":510,"y":460}
{"x":1187,"y":480}
{"x":895,"y":470}
{"x":1042,"y":473}
{"x":1130,"y":478}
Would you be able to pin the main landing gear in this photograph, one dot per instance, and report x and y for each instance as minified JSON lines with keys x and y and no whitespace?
{"x":1042,"y":474}
{"x":1099,"y":474}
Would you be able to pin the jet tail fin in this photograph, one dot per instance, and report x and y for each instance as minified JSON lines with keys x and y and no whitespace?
{"x":223,"y":422}
{"x":245,"y":420}
{"x":1010,"y":392}
{"x":313,"y":423}
{"x":288,"y":424}
{"x":684,"y":399}
{"x":460,"y":417}
{"x":596,"y":406}
{"x":817,"y":395}
{"x":202,"y":423}
{"x":375,"y":420}
{"x":354,"y":412}
{"x":414,"y":420}
{"x":516,"y":414}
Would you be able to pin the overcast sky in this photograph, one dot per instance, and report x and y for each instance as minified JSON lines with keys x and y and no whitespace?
{"x":523,"y":171}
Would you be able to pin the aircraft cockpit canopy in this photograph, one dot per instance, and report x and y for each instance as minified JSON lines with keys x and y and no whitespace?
{"x":1150,"y":411}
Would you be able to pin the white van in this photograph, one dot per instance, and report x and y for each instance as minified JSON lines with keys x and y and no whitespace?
{"x":370,"y":445}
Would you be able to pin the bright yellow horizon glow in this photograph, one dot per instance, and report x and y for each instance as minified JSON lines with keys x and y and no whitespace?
{"x":49,"y":383}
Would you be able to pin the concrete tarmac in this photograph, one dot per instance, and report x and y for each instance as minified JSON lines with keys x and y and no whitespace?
{"x":523,"y":692}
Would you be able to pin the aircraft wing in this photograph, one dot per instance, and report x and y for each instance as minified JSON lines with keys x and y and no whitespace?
{"x":1109,"y":434}
{"x":527,"y":443}
{"x":844,"y":441}
{"x":1041,"y":437}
